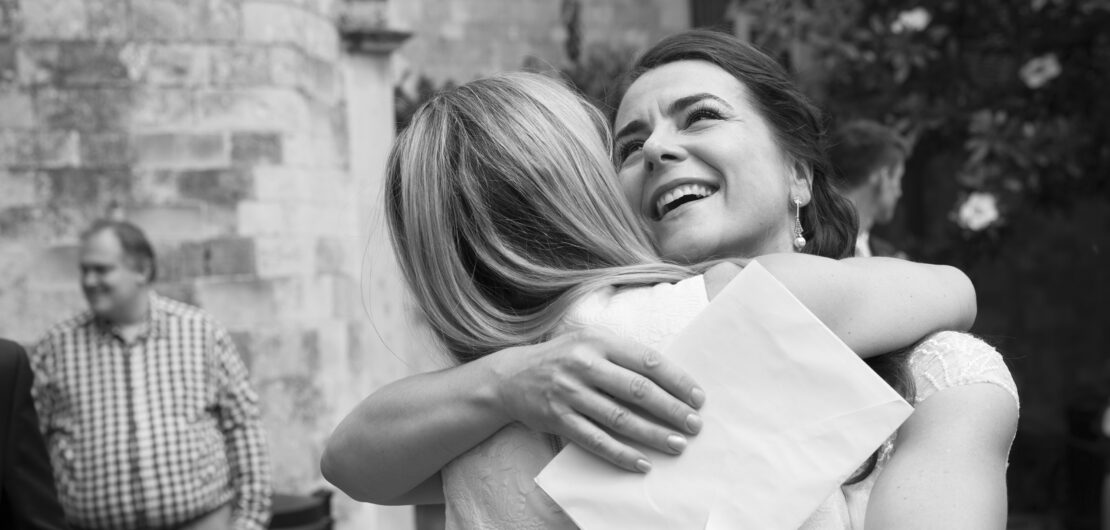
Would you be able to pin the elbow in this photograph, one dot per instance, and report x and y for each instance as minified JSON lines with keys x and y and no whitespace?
{"x":340,"y":474}
{"x":966,"y":306}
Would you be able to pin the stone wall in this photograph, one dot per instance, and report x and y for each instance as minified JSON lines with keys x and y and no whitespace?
{"x":223,"y":128}
{"x":460,"y":40}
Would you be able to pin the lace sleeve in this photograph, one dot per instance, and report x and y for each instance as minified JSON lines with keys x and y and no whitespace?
{"x":949,"y":359}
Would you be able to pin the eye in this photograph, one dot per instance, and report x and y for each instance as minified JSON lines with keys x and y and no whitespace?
{"x":702,"y":113}
{"x":627,"y":149}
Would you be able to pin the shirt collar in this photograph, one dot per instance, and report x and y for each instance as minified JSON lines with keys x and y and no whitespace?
{"x":156,"y":319}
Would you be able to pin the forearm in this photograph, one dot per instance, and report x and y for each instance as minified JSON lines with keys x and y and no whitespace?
{"x":949,"y":466}
{"x":877,"y":305}
{"x":250,"y":465}
{"x":402,"y":435}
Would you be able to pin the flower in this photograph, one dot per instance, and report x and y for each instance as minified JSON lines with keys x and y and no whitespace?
{"x":915,"y":19}
{"x":1040,"y":70}
{"x":978,"y":211}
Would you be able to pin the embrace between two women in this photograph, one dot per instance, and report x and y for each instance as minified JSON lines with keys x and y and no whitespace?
{"x":553,"y":259}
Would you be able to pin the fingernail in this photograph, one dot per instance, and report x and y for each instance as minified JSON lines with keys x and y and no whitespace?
{"x":678,"y":443}
{"x":693,"y":423}
{"x":643,"y":465}
{"x":697,"y":397}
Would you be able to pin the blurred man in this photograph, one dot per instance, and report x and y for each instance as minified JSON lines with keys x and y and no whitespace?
{"x":145,"y":404}
{"x":868,"y":161}
{"x":28,"y":499}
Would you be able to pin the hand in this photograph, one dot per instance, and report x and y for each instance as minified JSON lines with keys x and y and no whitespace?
{"x":587,"y":385}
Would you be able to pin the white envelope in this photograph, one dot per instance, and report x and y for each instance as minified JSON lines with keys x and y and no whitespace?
{"x":790,"y":414}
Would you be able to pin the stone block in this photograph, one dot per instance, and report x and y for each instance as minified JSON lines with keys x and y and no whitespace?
{"x":225,"y":187}
{"x":283,"y":255}
{"x":35,"y":311}
{"x":163,"y":64}
{"x":318,"y":78}
{"x":331,"y":256}
{"x":54,"y":19}
{"x":58,"y":149}
{"x":54,"y":266}
{"x":22,"y":188}
{"x":8,"y":16}
{"x":18,"y":149}
{"x":90,"y":64}
{"x":9,"y":63}
{"x":179,"y":262}
{"x":259,"y":109}
{"x":255,"y":148}
{"x":242,"y":302}
{"x":257,"y":218}
{"x":241,"y":65}
{"x":84,"y":109}
{"x":274,"y":22}
{"x":108,"y":20}
{"x":279,"y":184}
{"x":285,"y":351}
{"x":217,"y":20}
{"x":37,"y":62}
{"x":182,"y":150}
{"x":229,"y":256}
{"x":105,"y":150}
{"x":162,"y":108}
{"x":16,"y":110}
{"x":222,"y":256}
{"x":161,"y":19}
{"x":310,"y":151}
{"x":88,"y":186}
{"x":176,"y":223}
{"x":48,"y":222}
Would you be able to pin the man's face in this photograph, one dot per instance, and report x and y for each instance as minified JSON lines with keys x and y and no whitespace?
{"x":110,"y":281}
{"x":888,"y":192}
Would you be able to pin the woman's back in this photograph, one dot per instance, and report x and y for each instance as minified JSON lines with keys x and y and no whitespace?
{"x":492,"y":486}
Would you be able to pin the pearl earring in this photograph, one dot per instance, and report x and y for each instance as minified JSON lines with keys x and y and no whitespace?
{"x":799,"y":240}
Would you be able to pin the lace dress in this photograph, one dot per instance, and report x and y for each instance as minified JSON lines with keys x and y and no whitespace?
{"x":492,"y":486}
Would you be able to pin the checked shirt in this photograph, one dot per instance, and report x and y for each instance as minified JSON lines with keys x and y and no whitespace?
{"x":154,"y":433}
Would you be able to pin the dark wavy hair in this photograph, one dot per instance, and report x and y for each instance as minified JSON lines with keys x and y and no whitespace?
{"x":829,"y":221}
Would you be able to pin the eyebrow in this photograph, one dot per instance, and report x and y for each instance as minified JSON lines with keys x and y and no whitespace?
{"x":678,"y":105}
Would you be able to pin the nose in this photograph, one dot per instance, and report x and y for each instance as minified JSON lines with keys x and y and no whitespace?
{"x":660,"y":150}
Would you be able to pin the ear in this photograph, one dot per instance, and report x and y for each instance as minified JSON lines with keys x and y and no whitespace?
{"x":801,"y":182}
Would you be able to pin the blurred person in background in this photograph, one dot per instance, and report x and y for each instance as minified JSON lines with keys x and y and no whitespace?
{"x":868,"y":161}
{"x":145,"y":404}
{"x":28,"y":499}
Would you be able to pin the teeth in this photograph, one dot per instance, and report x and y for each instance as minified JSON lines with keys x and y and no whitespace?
{"x":698,"y":190}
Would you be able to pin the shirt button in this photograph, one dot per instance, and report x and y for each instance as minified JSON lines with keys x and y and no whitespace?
{"x":68,"y":453}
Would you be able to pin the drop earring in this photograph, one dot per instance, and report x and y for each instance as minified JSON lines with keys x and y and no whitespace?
{"x":799,"y":240}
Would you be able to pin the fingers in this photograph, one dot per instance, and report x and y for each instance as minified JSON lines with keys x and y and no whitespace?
{"x":618,"y":418}
{"x":595,"y":440}
{"x":643,"y":378}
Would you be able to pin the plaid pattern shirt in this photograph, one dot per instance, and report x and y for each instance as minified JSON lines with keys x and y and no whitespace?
{"x":153,"y":433}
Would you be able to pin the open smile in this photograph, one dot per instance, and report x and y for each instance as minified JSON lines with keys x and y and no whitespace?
{"x":680,"y":195}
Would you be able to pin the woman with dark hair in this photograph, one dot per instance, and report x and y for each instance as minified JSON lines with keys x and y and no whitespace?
{"x":721,"y":157}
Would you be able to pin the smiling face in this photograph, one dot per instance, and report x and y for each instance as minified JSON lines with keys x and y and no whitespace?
{"x":700,"y":164}
{"x":111,"y":282}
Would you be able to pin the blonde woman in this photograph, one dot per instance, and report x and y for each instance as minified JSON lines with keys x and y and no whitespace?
{"x":509,"y":223}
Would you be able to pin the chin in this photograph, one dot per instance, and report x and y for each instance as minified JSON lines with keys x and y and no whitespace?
{"x":685,"y":250}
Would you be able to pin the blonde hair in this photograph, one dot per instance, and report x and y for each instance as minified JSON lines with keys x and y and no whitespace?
{"x":504,"y":208}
